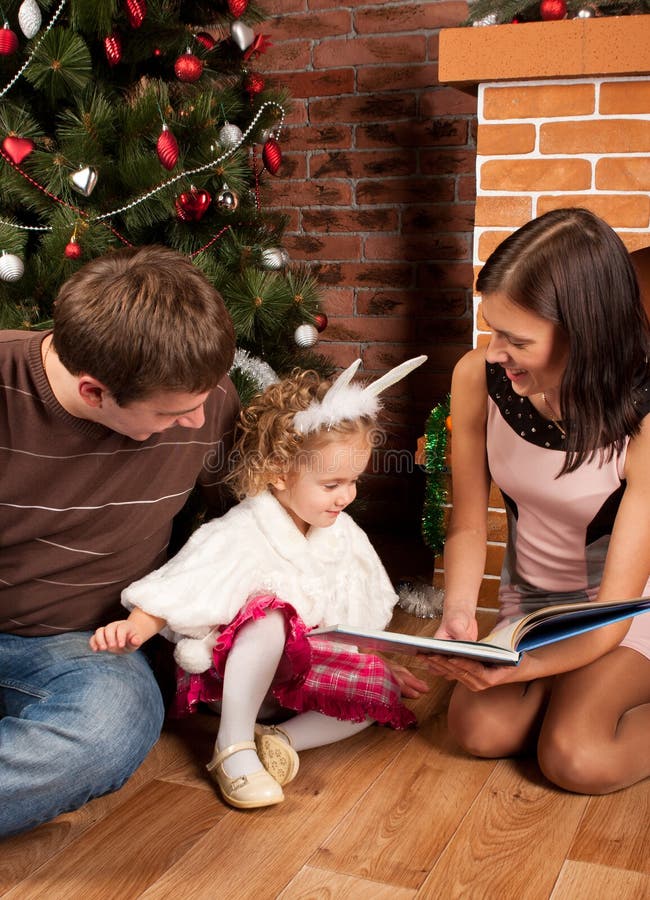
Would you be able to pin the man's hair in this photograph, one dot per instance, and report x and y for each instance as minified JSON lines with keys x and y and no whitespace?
{"x":569,"y":267}
{"x":267,"y":443}
{"x":142,"y":320}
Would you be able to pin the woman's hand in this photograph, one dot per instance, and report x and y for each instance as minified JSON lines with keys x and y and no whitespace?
{"x":458,"y":626}
{"x":476,"y":676}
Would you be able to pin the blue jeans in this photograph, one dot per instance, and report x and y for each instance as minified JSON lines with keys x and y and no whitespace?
{"x":74,"y":724}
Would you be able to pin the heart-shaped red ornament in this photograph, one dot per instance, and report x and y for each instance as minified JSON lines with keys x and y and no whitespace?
{"x":17,"y":148}
{"x":192,"y":205}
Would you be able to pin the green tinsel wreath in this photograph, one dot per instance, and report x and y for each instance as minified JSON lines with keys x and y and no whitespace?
{"x":435,"y":493}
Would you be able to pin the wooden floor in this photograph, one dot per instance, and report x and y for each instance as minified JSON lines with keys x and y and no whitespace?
{"x":381,"y":815}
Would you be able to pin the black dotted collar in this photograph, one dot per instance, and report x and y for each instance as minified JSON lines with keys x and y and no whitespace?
{"x":520,"y":414}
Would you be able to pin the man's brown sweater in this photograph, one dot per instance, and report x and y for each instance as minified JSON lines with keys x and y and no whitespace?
{"x":84,"y":511}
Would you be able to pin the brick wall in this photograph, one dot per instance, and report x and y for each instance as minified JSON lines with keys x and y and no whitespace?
{"x":378,"y":181}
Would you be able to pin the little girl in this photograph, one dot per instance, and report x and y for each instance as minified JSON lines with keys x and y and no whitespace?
{"x":241,"y":596}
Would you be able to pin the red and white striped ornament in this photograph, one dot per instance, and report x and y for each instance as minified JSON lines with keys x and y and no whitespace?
{"x":167,"y":149}
{"x":8,"y":40}
{"x":113,"y":48}
{"x":272,"y":156}
{"x":136,"y":10}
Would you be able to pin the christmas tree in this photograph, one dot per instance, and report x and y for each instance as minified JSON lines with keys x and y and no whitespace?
{"x":131,"y":122}
{"x":501,"y":12}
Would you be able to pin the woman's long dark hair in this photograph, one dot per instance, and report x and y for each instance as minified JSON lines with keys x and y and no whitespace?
{"x":571,"y":268}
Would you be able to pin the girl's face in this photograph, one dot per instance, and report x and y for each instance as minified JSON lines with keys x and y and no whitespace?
{"x":532,"y":350}
{"x":325,"y":482}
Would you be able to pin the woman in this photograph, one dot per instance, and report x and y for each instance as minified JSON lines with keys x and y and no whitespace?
{"x":556,"y":412}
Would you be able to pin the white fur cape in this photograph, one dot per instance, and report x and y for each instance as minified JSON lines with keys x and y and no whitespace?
{"x":330,"y":576}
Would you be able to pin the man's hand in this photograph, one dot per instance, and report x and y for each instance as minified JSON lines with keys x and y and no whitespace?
{"x":117,"y":637}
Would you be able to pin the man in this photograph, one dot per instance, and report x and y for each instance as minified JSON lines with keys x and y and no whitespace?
{"x":106,"y":425}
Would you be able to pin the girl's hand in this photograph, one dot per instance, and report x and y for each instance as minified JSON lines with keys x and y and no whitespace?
{"x":117,"y":637}
{"x":410,"y":685}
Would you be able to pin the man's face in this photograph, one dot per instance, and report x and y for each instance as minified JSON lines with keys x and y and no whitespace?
{"x":157,"y":412}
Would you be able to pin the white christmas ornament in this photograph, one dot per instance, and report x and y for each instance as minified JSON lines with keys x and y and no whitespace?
{"x":29,"y":18}
{"x":230,"y":135}
{"x":11,"y":267}
{"x":305,"y":335}
{"x":274,"y":258}
{"x":241,"y":34}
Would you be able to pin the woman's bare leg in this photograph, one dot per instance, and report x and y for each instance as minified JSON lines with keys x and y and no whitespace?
{"x":596,"y":733}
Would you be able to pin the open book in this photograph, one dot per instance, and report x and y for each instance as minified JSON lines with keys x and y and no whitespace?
{"x":504,"y":645}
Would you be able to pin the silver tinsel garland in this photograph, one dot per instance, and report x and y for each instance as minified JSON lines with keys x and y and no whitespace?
{"x":256,"y":369}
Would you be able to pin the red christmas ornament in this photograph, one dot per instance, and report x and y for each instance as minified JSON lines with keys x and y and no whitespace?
{"x":192,"y":205}
{"x":17,"y":148}
{"x":113,"y":48}
{"x":167,"y":149}
{"x":272,"y":156}
{"x":188,"y":68}
{"x":237,"y":7}
{"x":72,"y":249}
{"x":552,"y":10}
{"x":8,"y":40}
{"x":205,"y":40}
{"x":136,"y":10}
{"x":254,"y":84}
{"x":320,"y":321}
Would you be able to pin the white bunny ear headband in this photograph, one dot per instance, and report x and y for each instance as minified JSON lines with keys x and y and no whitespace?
{"x":346,"y":401}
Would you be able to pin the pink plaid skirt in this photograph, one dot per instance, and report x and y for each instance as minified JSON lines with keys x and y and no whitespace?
{"x":312,"y":675}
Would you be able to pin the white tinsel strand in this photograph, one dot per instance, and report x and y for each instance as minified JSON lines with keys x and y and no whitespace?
{"x":422,"y":600}
{"x":261,"y":372}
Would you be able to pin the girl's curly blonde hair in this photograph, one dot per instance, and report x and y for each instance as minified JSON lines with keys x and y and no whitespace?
{"x":267,"y":444}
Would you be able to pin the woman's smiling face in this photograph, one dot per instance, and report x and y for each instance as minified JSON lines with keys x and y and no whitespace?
{"x":532,"y":350}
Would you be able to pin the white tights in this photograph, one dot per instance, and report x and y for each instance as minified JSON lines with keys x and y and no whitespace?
{"x":250,"y":667}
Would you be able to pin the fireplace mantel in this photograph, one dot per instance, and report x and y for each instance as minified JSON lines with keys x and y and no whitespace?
{"x":571,"y":48}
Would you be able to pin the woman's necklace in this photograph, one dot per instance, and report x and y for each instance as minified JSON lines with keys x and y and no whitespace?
{"x":554,"y":419}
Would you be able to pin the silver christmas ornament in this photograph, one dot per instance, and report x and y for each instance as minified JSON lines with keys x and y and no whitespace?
{"x":11,"y":267}
{"x":227,"y":199}
{"x":241,"y":34}
{"x":275,"y":258}
{"x":29,"y":18}
{"x":305,"y":335}
{"x":84,"y":180}
{"x":585,"y":13}
{"x":230,"y":135}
